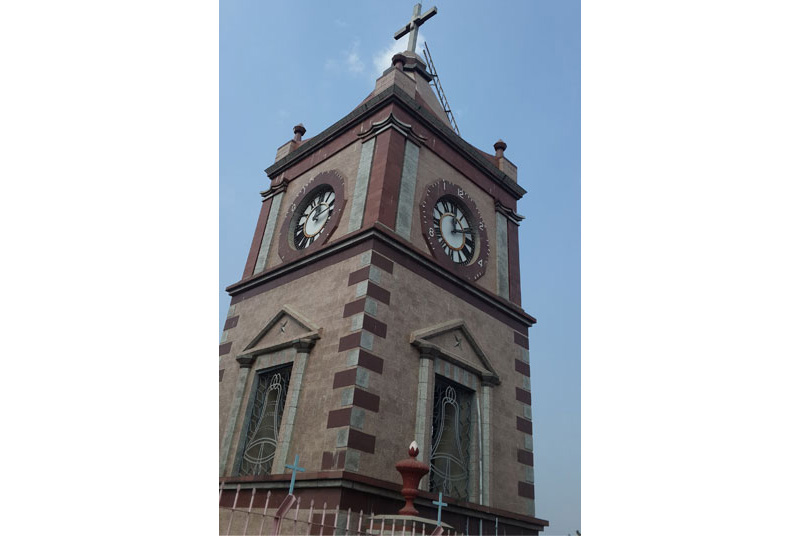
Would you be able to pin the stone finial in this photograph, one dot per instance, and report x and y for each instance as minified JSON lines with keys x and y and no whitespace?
{"x":499,"y":147}
{"x":299,"y":130}
{"x":398,"y":60}
{"x":412,"y":472}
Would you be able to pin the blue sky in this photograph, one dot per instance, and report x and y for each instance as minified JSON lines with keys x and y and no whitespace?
{"x":510,"y":70}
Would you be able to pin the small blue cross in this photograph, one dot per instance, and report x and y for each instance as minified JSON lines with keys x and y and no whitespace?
{"x":294,"y":469}
{"x":439,"y":503}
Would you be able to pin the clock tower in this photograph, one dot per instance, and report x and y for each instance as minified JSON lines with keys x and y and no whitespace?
{"x":380,"y":304}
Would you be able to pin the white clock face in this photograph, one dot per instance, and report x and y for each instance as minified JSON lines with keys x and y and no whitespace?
{"x":314,"y":214}
{"x":453,"y":231}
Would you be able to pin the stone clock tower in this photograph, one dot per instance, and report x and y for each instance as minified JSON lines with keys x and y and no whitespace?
{"x":380,"y":304}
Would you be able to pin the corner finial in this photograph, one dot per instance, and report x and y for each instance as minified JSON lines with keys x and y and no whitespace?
{"x":499,"y":147}
{"x":299,"y":130}
{"x":398,"y":60}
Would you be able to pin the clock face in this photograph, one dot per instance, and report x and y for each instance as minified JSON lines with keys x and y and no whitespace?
{"x":312,"y":218}
{"x":454,"y":230}
{"x":314,"y":213}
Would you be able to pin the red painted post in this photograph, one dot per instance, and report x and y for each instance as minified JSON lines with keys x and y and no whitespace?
{"x":283,"y":509}
{"x":412,"y":472}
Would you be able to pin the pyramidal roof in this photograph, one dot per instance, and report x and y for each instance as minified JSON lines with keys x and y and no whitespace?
{"x":409,"y":72}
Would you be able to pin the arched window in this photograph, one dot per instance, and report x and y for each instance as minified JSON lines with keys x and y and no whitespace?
{"x":264,"y":424}
{"x":450,"y":440}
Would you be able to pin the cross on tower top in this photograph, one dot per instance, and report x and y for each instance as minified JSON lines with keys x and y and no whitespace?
{"x":412,"y":27}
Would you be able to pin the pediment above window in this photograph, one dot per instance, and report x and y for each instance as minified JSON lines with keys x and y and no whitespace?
{"x":286,"y":329}
{"x":453,"y":342}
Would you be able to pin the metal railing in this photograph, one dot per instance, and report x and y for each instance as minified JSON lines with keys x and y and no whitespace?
{"x":290,"y":517}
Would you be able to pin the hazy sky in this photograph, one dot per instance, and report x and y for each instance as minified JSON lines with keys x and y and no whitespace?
{"x":510,"y":70}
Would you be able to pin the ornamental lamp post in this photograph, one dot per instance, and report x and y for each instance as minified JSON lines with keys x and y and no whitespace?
{"x":412,"y":472}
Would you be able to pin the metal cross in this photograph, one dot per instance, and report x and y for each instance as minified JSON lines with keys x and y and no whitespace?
{"x":412,"y":27}
{"x":439,"y":503}
{"x":294,"y":467}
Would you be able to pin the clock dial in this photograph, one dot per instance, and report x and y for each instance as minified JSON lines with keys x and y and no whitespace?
{"x":313,"y":217}
{"x":453,"y":231}
{"x":314,"y":214}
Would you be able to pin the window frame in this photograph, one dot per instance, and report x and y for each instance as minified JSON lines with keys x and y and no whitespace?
{"x":243,"y":439}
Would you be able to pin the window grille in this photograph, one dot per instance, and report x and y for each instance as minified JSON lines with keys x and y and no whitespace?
{"x":265,"y":421}
{"x":452,"y":413}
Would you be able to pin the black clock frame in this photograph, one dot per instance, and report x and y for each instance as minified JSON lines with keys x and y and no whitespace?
{"x":286,"y":248}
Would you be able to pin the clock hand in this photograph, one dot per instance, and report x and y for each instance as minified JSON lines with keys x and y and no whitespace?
{"x":321,"y":212}
{"x":467,"y":230}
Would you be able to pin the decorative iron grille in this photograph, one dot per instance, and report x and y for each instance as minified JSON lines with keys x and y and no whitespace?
{"x":265,"y":422}
{"x":452,"y":412}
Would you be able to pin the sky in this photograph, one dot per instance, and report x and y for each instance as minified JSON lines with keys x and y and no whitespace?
{"x":510,"y":70}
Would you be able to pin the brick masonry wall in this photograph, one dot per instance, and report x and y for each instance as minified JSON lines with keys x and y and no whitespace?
{"x":319,"y":297}
{"x":417,"y":304}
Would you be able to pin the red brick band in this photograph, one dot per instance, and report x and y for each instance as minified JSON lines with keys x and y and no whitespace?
{"x":255,"y":247}
{"x":380,"y":294}
{"x":366,"y":400}
{"x":348,"y":342}
{"x":521,"y":340}
{"x":384,"y":185}
{"x":344,"y":378}
{"x":225,"y":348}
{"x":333,"y":460}
{"x":374,"y":325}
{"x":370,"y":361}
{"x":361,"y":441}
{"x":339,"y":417}
{"x":524,"y":396}
{"x":525,"y":426}
{"x":525,"y":457}
{"x":354,"y":307}
{"x":359,"y":275}
{"x":231,"y":322}
{"x":382,"y":262}
{"x":525,"y":490}
{"x":522,"y":367}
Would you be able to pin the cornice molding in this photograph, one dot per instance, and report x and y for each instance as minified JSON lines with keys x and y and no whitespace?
{"x":393,"y":122}
{"x":508,"y":213}
{"x":388,"y":238}
{"x":395,"y":94}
